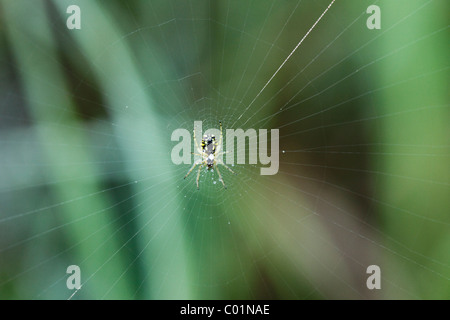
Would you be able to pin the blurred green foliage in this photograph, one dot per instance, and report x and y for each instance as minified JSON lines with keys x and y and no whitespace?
{"x":86,"y":177}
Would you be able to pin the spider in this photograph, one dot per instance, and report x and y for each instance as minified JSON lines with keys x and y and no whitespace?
{"x":209,"y":151}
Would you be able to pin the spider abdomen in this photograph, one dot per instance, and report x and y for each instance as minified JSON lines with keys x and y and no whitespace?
{"x":210,"y":160}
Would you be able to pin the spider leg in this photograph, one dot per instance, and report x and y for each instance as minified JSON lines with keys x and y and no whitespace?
{"x":198,"y":174}
{"x":219,"y":145}
{"x":221,"y":153}
{"x":220,"y":162}
{"x":192,"y":168}
{"x":196,"y":144}
{"x":220,"y":176}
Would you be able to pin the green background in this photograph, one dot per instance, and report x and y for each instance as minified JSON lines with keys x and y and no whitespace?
{"x":86,"y":176}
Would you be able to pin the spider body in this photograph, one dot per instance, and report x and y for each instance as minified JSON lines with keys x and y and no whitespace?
{"x":209,"y":150}
{"x":209,"y":146}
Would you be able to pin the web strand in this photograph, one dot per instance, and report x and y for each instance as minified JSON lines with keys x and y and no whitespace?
{"x":285,"y":60}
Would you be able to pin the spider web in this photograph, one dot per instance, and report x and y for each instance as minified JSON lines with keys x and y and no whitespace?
{"x":87,"y":178}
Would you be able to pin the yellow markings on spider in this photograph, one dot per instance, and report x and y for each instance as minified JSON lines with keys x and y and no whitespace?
{"x":209,"y":151}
